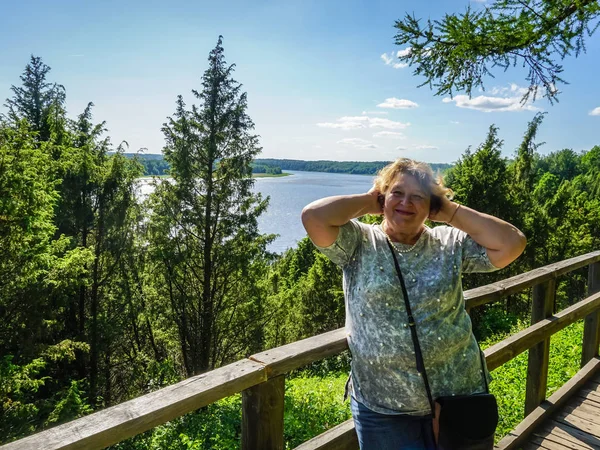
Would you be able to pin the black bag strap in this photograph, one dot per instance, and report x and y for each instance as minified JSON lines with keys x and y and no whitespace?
{"x":413,"y":330}
{"x":415,"y":338}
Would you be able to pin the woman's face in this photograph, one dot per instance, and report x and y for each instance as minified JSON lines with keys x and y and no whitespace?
{"x":406,"y":203}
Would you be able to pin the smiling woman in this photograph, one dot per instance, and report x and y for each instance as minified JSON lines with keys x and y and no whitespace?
{"x":392,"y":398}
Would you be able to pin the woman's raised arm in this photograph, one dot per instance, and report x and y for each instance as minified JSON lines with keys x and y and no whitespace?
{"x":503,"y":241}
{"x":322,"y":218}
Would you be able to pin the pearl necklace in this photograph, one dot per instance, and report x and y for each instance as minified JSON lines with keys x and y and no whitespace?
{"x":402,"y":250}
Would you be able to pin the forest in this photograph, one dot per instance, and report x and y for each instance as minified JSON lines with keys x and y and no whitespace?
{"x":354,"y":167}
{"x":104,"y":297}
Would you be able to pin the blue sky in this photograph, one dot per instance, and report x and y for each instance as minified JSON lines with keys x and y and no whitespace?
{"x":318,"y":86}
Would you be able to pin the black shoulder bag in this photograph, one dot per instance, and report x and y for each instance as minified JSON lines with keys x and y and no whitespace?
{"x":461,"y":422}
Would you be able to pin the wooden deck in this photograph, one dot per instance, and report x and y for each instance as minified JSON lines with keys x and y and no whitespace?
{"x":575,"y":426}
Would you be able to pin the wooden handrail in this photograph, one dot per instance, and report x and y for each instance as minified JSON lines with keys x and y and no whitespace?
{"x":500,"y":289}
{"x":504,"y":351}
{"x":128,"y":419}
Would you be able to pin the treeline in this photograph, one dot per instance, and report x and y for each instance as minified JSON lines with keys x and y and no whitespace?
{"x":354,"y":167}
{"x":265,"y":168}
{"x":157,"y":165}
{"x":104,"y":297}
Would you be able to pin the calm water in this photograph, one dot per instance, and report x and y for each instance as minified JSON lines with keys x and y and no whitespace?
{"x":288,"y":195}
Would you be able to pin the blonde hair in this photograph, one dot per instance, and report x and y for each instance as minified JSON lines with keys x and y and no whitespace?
{"x":432,"y":184}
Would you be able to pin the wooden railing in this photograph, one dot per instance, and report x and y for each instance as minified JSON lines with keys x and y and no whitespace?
{"x":261,"y":378}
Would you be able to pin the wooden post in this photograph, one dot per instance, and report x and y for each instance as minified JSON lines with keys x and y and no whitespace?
{"x":591,"y":327}
{"x":262,"y":415}
{"x":539,"y":355}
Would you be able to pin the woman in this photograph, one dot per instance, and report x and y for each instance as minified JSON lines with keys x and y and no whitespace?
{"x":389,"y":403}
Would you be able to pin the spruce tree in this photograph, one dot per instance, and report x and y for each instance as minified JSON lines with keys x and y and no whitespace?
{"x":38,"y":101}
{"x":204,"y":224}
{"x":458,"y":52}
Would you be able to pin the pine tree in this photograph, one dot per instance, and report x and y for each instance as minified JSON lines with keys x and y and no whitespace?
{"x":38,"y":101}
{"x":204,"y":223}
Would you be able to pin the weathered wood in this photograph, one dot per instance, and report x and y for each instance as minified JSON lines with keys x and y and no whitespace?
{"x":539,"y":354}
{"x":506,"y":350}
{"x":281,"y":360}
{"x":569,"y":442}
{"x":517,"y":437}
{"x":262,"y":415}
{"x":551,"y":442}
{"x":591,"y":328}
{"x":570,"y":434}
{"x":518,"y":283}
{"x":127,"y":419}
{"x":341,"y":437}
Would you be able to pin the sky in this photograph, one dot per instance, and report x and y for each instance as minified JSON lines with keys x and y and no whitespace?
{"x":321,"y":75}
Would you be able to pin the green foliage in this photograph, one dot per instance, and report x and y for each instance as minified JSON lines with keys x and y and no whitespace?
{"x":265,"y":168}
{"x":509,"y":380}
{"x":37,"y":101}
{"x":207,"y":253}
{"x":459,"y":51}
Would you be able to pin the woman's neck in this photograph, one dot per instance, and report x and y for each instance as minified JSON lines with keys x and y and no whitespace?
{"x":402,"y":236}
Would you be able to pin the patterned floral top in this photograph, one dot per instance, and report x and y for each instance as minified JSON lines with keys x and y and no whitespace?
{"x":384,"y":376}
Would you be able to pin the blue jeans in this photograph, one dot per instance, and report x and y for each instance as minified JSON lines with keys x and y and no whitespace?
{"x":391,"y":432}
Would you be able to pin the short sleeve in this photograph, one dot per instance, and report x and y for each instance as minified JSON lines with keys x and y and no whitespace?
{"x":475,"y":257}
{"x":345,"y":244}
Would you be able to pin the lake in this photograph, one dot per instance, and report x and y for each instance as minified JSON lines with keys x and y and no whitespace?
{"x":288,"y":195}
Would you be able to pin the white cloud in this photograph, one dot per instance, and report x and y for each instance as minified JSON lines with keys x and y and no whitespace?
{"x":357,"y":122}
{"x":389,"y":134}
{"x":377,"y":113}
{"x":357,"y":143}
{"x":455,"y":122}
{"x":478,"y":1}
{"x":389,"y":59}
{"x":397,"y":103}
{"x":502,"y":99}
{"x":406,"y":52}
{"x":595,"y":111}
{"x":401,"y":149}
{"x":426,"y":147}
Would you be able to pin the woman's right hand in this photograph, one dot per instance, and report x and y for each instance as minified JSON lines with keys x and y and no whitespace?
{"x":377,"y":202}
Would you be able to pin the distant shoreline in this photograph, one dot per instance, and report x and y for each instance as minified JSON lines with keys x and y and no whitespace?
{"x":271,"y":175}
{"x":254,"y":175}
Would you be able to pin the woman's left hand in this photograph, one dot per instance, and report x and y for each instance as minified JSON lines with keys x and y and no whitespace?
{"x":446,"y":211}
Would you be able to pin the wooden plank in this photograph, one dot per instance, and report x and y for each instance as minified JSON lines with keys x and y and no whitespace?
{"x":128,"y":419}
{"x":579,"y":423}
{"x":262,"y":415}
{"x":582,"y":409}
{"x":341,"y":437}
{"x":551,"y":444}
{"x":589,"y":395}
{"x":518,"y":283}
{"x":281,"y":360}
{"x":539,"y":354}
{"x":572,"y":443}
{"x":591,"y":328}
{"x":506,"y":350}
{"x":571,"y":434}
{"x":519,"y":435}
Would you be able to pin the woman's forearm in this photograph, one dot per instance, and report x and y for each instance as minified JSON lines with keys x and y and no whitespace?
{"x":339,"y":209}
{"x":322,"y":218}
{"x":503,"y":241}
